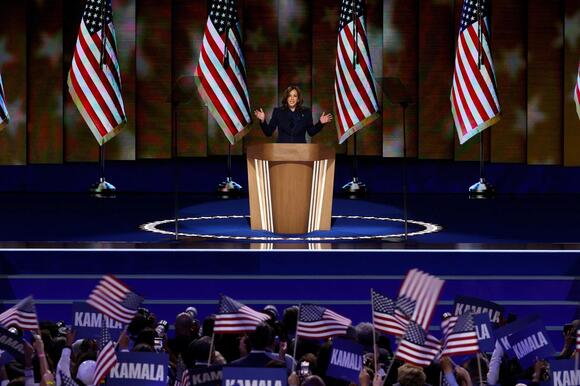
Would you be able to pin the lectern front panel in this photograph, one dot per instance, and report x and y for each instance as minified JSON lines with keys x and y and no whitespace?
{"x":290,"y":183}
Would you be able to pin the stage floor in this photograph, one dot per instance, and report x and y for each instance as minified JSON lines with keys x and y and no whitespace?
{"x":454,"y":221}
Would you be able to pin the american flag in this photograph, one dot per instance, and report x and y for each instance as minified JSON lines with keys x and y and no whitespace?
{"x":315,"y":322}
{"x":94,"y":80}
{"x":107,"y":357}
{"x":185,"y":378}
{"x":4,"y":117}
{"x":578,"y":340}
{"x":459,"y":336}
{"x":418,"y":347}
{"x":221,"y":70}
{"x":577,"y":92}
{"x":355,"y":98}
{"x":181,"y":373}
{"x":22,"y":315}
{"x":387,"y":318}
{"x":65,"y":380}
{"x":474,"y":101}
{"x":114,"y":299}
{"x":233,"y":317}
{"x":418,"y":296}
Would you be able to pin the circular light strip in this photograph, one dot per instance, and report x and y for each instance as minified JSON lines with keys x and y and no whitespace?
{"x":153,"y":227}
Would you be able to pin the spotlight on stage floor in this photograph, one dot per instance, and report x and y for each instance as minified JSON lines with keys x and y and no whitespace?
{"x":229,"y":188}
{"x":354,"y":189}
{"x":481,"y":189}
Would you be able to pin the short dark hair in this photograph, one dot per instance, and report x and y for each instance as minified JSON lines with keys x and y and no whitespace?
{"x":262,"y":337}
{"x":286,"y":94}
{"x":198,"y":350}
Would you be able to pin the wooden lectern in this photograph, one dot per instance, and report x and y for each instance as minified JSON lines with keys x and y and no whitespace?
{"x":290,"y":187}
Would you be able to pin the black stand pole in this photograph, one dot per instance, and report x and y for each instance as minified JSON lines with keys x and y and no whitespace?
{"x":482,"y":188}
{"x":176,"y":174}
{"x":103,"y":188}
{"x":229,"y":188}
{"x":404,"y":106}
{"x":355,"y":188}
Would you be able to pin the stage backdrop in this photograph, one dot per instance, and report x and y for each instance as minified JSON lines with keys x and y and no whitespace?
{"x":536,"y":47}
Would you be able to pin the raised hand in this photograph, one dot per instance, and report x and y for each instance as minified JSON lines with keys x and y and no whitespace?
{"x":325,"y":118}
{"x":260,"y":114}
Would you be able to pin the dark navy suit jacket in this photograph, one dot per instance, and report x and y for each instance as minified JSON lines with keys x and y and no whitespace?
{"x":292,"y":125}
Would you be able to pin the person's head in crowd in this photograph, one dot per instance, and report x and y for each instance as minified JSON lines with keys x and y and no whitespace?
{"x":409,"y":375}
{"x":569,"y":333}
{"x":364,"y":335}
{"x":290,"y":318}
{"x":185,"y":326}
{"x":143,"y":319}
{"x":473,"y":367}
{"x":146,"y":336}
{"x":271,"y":311}
{"x":86,"y":372}
{"x":143,"y":347}
{"x":207,"y":325}
{"x":313,"y":380}
{"x":312,"y":362}
{"x":244,"y":345}
{"x":17,"y":382}
{"x":262,"y":337}
{"x":198,"y":350}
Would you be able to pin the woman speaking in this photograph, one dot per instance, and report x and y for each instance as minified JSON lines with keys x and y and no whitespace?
{"x":292,"y":119}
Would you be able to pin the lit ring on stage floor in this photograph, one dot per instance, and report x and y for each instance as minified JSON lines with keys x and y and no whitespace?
{"x":156,"y":225}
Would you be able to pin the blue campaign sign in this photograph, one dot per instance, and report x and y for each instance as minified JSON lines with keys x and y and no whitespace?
{"x":502,"y":333}
{"x":485,"y":333}
{"x":139,"y":369}
{"x":5,"y":358}
{"x":477,"y":306}
{"x":206,"y":376}
{"x":563,"y":373}
{"x":87,"y":322}
{"x":242,"y":376}
{"x":531,"y":343}
{"x":346,"y":360}
{"x":12,"y":344}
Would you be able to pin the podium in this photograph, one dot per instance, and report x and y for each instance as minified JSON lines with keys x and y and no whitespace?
{"x":290,"y":187}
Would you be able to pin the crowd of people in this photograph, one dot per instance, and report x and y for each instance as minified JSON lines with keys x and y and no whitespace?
{"x":55,"y":355}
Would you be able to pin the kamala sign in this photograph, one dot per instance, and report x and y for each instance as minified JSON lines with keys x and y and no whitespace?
{"x":477,"y":306}
{"x":139,"y":369}
{"x":250,"y":376}
{"x":346,"y":360}
{"x":87,"y":322}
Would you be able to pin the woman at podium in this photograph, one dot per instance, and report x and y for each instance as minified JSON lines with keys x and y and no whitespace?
{"x":292,"y":119}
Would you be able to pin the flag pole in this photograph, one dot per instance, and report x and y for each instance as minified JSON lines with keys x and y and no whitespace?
{"x":229,"y":188}
{"x":296,"y":337}
{"x":482,"y":188}
{"x":103,"y":188}
{"x":479,"y":369}
{"x":211,"y":348}
{"x":375,"y":351}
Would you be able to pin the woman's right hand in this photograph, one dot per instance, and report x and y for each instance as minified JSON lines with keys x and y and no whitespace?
{"x":260,"y":114}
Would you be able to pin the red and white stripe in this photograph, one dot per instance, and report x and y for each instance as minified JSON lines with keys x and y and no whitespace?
{"x":185,"y":378}
{"x":245,"y":320}
{"x":474,"y":101}
{"x":108,"y":296}
{"x":4,"y":116}
{"x":331,"y":324}
{"x":391,"y":324}
{"x":577,"y":92}
{"x":355,"y":99}
{"x":419,"y":355}
{"x":106,"y":360}
{"x":462,"y":343}
{"x":22,"y":315}
{"x":578,"y":340}
{"x":425,"y":290}
{"x":224,"y":89}
{"x":97,"y":92}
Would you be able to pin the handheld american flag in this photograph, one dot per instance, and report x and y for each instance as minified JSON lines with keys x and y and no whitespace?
{"x":386,"y":317}
{"x":578,"y":340}
{"x":418,"y":296}
{"x":114,"y":299}
{"x":233,"y":317}
{"x":577,"y":92}
{"x":4,"y":117}
{"x":315,"y":322}
{"x":107,"y":357}
{"x":22,"y":315}
{"x":418,"y":347}
{"x":474,"y":101}
{"x":94,"y":80}
{"x":221,"y":70}
{"x":459,"y":336}
{"x":355,"y":99}
{"x":65,"y":380}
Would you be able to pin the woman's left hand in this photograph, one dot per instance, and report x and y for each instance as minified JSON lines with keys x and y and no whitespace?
{"x":325,"y":118}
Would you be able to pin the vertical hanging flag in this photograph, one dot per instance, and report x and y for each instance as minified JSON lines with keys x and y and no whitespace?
{"x":459,"y":335}
{"x":221,"y":71}
{"x":315,"y":322}
{"x":4,"y":117}
{"x":577,"y":92}
{"x":418,"y":296}
{"x":386,"y":317}
{"x":22,"y":315}
{"x":94,"y":80}
{"x":474,"y":101}
{"x":355,"y":99}
{"x":234,"y":317}
{"x":107,"y":357}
